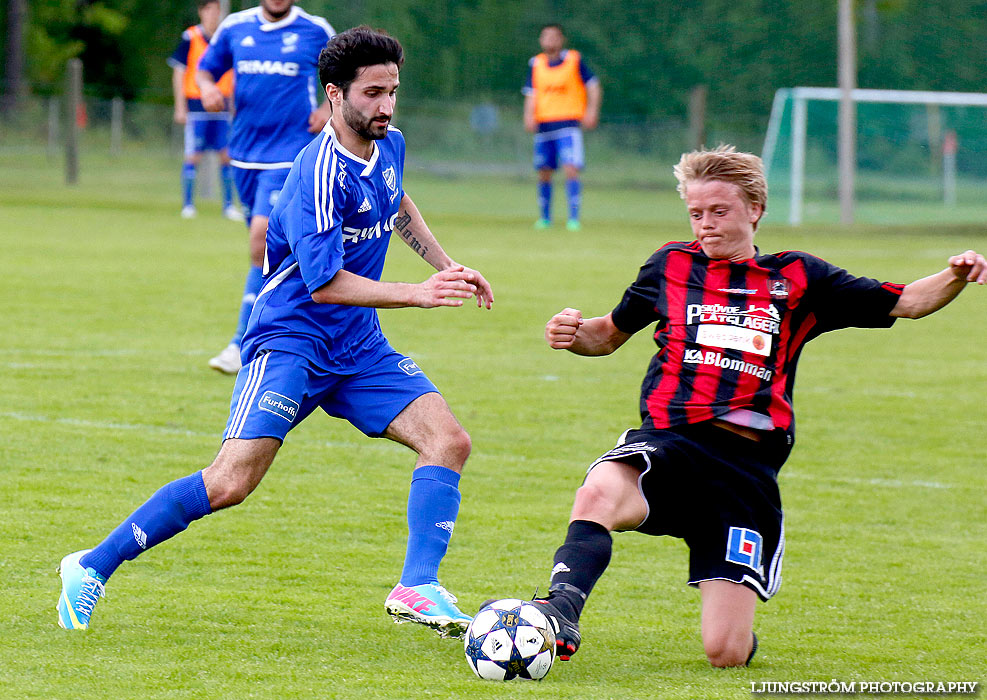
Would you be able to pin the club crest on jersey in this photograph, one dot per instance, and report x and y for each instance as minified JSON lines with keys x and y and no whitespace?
{"x":390,"y":179}
{"x":409,"y":367}
{"x":744,"y":547}
{"x":778,"y":289}
{"x":289,"y":42}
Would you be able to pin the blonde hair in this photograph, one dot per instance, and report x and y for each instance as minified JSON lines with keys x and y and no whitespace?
{"x":724,"y":163}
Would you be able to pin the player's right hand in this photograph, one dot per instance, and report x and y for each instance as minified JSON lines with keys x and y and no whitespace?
{"x":446,"y":288}
{"x":180,"y":117}
{"x":560,"y":331}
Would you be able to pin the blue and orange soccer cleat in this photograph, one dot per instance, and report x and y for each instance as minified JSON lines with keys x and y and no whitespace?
{"x":428,"y":604}
{"x":81,"y":590}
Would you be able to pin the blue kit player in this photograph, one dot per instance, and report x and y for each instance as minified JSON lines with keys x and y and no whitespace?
{"x":314,"y":341}
{"x":273,"y":51}
{"x":204,"y":131}
{"x":561,"y":98}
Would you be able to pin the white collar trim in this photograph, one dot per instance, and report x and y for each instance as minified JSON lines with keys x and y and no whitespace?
{"x":266,"y":26}
{"x":331,"y":130}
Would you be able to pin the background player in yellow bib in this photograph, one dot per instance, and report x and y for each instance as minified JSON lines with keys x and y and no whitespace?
{"x":562,"y":97}
{"x":204,"y":131}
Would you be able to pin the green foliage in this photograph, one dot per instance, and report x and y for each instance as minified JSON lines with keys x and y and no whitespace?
{"x":113,"y":304}
{"x":649,"y":53}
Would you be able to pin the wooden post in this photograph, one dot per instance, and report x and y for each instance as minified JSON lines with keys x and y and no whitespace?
{"x":116,"y":126}
{"x":847,"y":120}
{"x":697,"y":117}
{"x":73,"y":94}
{"x":54,"y":132}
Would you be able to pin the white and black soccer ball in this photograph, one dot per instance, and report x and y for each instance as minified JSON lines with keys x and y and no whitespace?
{"x":510,"y":639}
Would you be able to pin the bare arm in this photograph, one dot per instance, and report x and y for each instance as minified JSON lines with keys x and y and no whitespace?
{"x":529,"y":114}
{"x":594,"y":98}
{"x":411,"y":227}
{"x":444,"y":288}
{"x":212,"y":98}
{"x":929,"y":294}
{"x":568,"y":330}
{"x":178,"y":92}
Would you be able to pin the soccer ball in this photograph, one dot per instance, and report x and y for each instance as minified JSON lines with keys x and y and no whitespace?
{"x":510,"y":639}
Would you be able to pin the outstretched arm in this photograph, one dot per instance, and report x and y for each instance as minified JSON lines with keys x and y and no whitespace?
{"x":444,"y":288}
{"x":929,"y":294}
{"x":568,"y":330}
{"x":411,"y":227}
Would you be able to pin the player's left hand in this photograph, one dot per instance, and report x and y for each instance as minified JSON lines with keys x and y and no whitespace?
{"x":970,"y":265}
{"x":317,"y":119}
{"x":484,"y":292}
{"x":589,"y":122}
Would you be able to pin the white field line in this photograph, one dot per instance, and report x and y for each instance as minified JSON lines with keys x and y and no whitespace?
{"x":391,"y":446}
{"x":857,"y":481}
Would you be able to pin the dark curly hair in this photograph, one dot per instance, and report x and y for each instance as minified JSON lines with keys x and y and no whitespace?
{"x":348,"y":52}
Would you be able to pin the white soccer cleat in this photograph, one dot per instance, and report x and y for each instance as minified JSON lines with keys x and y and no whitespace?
{"x":233,"y":213}
{"x":189,"y":212}
{"x":228,"y":361}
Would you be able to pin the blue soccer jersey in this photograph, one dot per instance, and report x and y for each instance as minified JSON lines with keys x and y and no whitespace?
{"x":276,"y":86}
{"x":335,"y":212}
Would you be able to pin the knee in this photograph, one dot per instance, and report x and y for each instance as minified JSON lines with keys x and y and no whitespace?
{"x":456,"y":448}
{"x":724,"y":649}
{"x":593,"y":500}
{"x":225,"y":488}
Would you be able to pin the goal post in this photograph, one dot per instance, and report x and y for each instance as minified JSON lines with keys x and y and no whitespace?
{"x":898,"y":132}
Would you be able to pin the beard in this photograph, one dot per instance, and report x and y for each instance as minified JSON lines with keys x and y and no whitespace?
{"x":276,"y":15}
{"x":367,"y":128}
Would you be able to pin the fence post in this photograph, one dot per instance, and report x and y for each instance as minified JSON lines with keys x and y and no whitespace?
{"x":116,"y":125}
{"x":53,"y":131}
{"x":697,"y":117}
{"x":73,"y":93}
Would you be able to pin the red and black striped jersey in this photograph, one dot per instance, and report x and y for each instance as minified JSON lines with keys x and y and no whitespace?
{"x":730,"y":334}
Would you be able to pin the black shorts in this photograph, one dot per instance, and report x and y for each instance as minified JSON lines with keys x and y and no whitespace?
{"x":719,"y":492}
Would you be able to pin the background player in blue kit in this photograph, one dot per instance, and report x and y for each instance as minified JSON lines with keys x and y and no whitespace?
{"x":562,"y":97}
{"x":273,"y":50}
{"x":314,"y":341}
{"x":716,"y":404}
{"x":204,"y":131}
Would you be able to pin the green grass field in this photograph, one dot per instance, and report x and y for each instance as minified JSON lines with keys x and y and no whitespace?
{"x":112,"y":305}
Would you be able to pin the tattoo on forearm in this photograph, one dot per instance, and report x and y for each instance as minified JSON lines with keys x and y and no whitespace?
{"x":402,"y":225}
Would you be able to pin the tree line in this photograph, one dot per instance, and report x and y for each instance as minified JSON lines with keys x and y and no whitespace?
{"x":648,"y":54}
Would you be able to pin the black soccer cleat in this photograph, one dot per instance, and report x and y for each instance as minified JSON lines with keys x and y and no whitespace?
{"x":566,"y":631}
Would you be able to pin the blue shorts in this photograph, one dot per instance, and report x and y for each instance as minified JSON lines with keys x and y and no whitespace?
{"x":259,"y":189}
{"x":277,"y":390}
{"x":563,"y":146}
{"x":206,"y":133}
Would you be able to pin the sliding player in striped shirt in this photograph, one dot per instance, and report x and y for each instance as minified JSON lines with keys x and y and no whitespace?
{"x":716,"y":402}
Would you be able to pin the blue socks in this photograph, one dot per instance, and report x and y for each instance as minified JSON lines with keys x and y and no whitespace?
{"x":251,"y":287}
{"x":433,"y":504}
{"x":226,"y":174}
{"x":188,"y":184}
{"x":573,"y":190}
{"x":163,"y":515}
{"x":545,"y":200}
